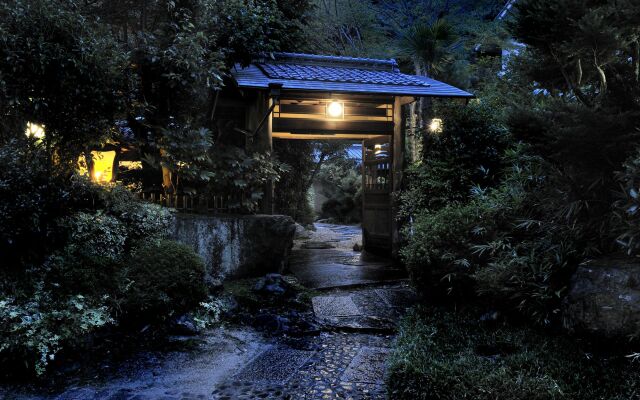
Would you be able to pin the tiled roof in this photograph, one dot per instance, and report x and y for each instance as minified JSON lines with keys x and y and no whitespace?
{"x":339,"y":74}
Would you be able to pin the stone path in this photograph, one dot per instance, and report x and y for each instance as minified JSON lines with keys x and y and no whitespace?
{"x":358,"y":309}
{"x":339,"y":266}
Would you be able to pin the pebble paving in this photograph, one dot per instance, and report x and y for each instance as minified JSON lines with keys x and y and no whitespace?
{"x":342,"y":366}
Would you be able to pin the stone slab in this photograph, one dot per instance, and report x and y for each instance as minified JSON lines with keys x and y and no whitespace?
{"x":274,"y":365}
{"x":368,"y":366}
{"x":334,"y":306}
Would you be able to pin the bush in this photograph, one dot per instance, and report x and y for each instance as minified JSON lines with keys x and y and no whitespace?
{"x":506,"y":244}
{"x":341,"y":183}
{"x":160,"y":280}
{"x":35,"y":331}
{"x":467,"y":153}
{"x":35,"y":195}
{"x":96,"y":235}
{"x":439,"y":253}
{"x":627,"y":207}
{"x":442,"y":354}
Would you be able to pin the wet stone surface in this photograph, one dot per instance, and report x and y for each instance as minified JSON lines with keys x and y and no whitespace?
{"x":334,"y":306}
{"x":333,"y":371}
{"x":274,"y":365}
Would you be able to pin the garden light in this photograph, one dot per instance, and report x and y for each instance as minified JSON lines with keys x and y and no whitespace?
{"x":34,"y":130}
{"x":102,"y":171}
{"x":436,"y":125}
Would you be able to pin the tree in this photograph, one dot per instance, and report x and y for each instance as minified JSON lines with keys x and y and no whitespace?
{"x":584,"y":46}
{"x":581,"y":104}
{"x":181,"y":52}
{"x":60,"y":69}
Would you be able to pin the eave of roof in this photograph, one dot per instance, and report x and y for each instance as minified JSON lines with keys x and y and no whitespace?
{"x":255,"y":77}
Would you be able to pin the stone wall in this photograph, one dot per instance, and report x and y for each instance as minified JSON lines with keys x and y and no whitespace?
{"x":237,"y":246}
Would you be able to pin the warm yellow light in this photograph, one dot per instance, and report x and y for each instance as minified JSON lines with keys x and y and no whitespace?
{"x":102,"y":171}
{"x":131,"y":164}
{"x":436,"y":125}
{"x":378,"y":149}
{"x":335,"y":109}
{"x":34,"y":130}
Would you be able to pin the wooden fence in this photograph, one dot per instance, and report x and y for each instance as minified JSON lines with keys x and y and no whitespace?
{"x":212,"y":204}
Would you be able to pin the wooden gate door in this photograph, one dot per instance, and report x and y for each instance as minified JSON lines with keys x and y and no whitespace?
{"x":377,"y":161}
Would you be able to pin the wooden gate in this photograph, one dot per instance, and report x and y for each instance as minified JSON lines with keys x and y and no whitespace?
{"x":377,"y":162}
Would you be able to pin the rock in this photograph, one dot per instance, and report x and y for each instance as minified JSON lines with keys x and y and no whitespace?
{"x":184,"y":325}
{"x":301,"y":232}
{"x":271,"y":322}
{"x":317,"y":245}
{"x":273,"y":284}
{"x":604,"y":299}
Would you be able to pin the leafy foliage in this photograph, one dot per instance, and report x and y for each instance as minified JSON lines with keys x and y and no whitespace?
{"x":160,"y":280}
{"x":340,"y":181}
{"x":61,"y":69}
{"x":467,"y":153}
{"x":36,"y":330}
{"x":627,"y":211}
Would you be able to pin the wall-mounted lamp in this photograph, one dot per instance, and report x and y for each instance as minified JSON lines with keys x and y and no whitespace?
{"x":34,"y":131}
{"x":436,"y":125}
{"x":335,"y":109}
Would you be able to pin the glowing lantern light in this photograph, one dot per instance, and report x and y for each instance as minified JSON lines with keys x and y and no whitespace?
{"x":335,"y":109}
{"x":436,"y":125}
{"x":35,"y":131}
{"x":102,"y":169}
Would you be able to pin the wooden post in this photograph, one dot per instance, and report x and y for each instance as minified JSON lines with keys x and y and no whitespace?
{"x":396,"y":168}
{"x":263,"y":139}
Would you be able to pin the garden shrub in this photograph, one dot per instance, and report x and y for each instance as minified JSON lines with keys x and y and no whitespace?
{"x":446,"y":354}
{"x":96,"y":235}
{"x":160,"y":280}
{"x":142,"y":221}
{"x":66,"y":244}
{"x":439,"y":253}
{"x":36,"y":330}
{"x":627,"y":207}
{"x":467,"y":153}
{"x":341,"y":183}
{"x":505,"y":244}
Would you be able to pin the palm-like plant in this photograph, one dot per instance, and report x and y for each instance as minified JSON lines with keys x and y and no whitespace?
{"x":429,"y":46}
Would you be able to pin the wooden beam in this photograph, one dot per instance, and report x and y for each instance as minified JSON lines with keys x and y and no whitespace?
{"x":407,"y":100}
{"x":320,"y":110}
{"x":335,"y":136}
{"x":299,"y":125}
{"x":306,"y":95}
